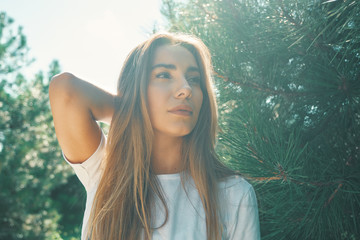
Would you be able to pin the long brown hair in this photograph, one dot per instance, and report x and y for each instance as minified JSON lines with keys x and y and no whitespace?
{"x":121,"y":209}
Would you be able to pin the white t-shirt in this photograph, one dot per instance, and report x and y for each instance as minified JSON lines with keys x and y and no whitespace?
{"x":186,"y":220}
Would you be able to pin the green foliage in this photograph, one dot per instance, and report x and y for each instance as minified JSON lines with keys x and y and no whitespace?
{"x":31,"y":171}
{"x":13,"y":48}
{"x":288,"y":75}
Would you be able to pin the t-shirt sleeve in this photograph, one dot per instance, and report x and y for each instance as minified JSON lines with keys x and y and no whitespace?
{"x":89,"y":171}
{"x":245,"y":224}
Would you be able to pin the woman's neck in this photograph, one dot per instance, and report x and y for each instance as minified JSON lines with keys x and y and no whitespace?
{"x":166,"y":154}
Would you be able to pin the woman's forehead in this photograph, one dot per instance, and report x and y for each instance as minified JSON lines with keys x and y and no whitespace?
{"x":174,"y":54}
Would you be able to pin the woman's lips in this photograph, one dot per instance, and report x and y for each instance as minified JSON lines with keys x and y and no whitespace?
{"x":182,"y":113}
{"x":182,"y":110}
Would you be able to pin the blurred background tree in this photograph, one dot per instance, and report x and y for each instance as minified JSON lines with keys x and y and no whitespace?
{"x":288,"y":77}
{"x":39,"y":196}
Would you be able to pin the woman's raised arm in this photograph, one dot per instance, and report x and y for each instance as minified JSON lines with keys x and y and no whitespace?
{"x":76,"y":105}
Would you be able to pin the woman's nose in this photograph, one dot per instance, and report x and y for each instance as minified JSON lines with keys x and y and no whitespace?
{"x":184,"y":90}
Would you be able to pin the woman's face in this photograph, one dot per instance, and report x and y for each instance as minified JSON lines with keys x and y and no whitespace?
{"x":174,"y":93}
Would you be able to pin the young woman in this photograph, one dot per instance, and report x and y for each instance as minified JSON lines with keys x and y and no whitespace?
{"x":156,"y":175}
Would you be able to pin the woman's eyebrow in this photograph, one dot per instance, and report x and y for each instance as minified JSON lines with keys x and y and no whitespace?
{"x":173,"y":67}
{"x":168,"y":66}
{"x":193,"y":69}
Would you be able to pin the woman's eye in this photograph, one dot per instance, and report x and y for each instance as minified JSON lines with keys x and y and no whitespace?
{"x":163,"y":75}
{"x":194,"y":80}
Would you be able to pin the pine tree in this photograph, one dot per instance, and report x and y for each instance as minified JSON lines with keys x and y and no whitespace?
{"x":288,"y":77}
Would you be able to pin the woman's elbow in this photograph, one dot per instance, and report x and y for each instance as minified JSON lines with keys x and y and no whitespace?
{"x":61,"y":78}
{"x":60,"y":84}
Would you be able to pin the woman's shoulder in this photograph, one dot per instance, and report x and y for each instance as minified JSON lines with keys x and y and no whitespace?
{"x":234,"y":181}
{"x":234,"y":187}
{"x":238,"y":208}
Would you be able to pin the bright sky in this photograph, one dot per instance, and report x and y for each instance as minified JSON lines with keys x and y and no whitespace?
{"x":90,"y":38}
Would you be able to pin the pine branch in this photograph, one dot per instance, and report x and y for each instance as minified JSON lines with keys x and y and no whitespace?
{"x":316,"y":131}
{"x":313,"y":39}
{"x":284,"y":177}
{"x":255,"y":155}
{"x":263,"y":88}
{"x":287,"y":15}
{"x":206,"y":12}
{"x":333,"y":195}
